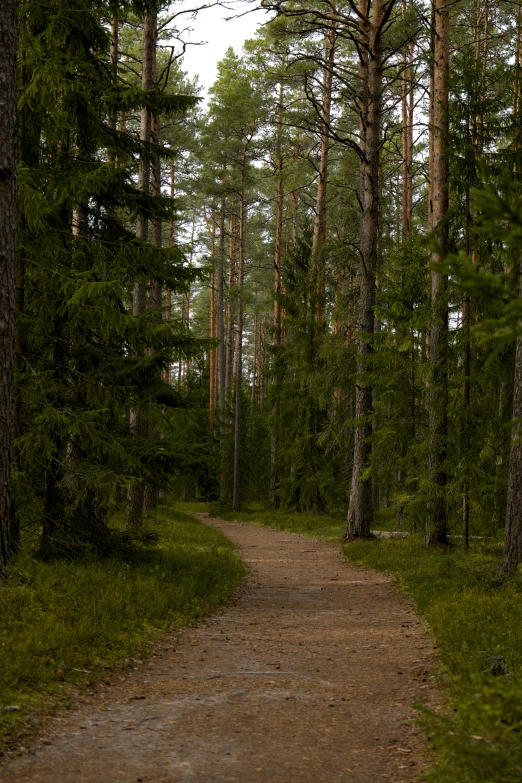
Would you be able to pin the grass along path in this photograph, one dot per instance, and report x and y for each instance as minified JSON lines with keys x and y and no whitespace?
{"x":327,"y":527}
{"x":62,"y":624}
{"x":308,"y":676}
{"x":475,"y":617}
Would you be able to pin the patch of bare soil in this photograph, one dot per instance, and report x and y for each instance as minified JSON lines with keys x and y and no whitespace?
{"x":310,"y":676}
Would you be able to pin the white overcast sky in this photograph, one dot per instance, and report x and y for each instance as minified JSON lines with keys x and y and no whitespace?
{"x":211,"y":27}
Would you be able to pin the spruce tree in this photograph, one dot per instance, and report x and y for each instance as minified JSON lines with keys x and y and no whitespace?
{"x":80,"y":374}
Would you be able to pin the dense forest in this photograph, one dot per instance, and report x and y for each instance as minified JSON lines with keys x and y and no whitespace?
{"x":303,"y":294}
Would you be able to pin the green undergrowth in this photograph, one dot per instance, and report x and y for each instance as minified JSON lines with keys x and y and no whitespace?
{"x":329,"y":526}
{"x":475,"y":615}
{"x":325,"y":526}
{"x":62,"y":624}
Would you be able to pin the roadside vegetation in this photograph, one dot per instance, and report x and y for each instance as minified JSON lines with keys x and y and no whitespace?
{"x":474,"y":613}
{"x":326,"y":526}
{"x":64,"y":623}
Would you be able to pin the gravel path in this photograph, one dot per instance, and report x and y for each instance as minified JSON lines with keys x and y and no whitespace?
{"x":308,"y":677}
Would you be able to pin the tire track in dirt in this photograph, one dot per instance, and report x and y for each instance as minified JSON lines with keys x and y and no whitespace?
{"x":309,"y":676}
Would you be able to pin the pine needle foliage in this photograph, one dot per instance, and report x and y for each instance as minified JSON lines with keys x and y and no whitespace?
{"x":82,"y":367}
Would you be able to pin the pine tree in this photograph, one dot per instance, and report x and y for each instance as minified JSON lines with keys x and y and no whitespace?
{"x":436,"y":531}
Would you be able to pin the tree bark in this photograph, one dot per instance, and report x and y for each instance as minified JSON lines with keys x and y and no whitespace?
{"x":431,"y":135}
{"x":407,"y":142}
{"x":188,"y":295}
{"x":360,"y":510}
{"x":150,"y":494}
{"x":8,"y":258}
{"x":476,"y":140}
{"x":436,"y":523}
{"x":466,"y":368}
{"x":319,"y":236}
{"x":513,"y":526}
{"x":294,"y":208}
{"x":222,"y":354}
{"x":29,"y":139}
{"x":517,"y":82}
{"x":113,"y":57}
{"x":168,"y":294}
{"x":274,"y":441}
{"x":221,"y":309}
{"x":157,"y":226}
{"x":513,"y":529}
{"x":254,"y":364}
{"x":134,"y":518}
{"x":212,"y":362}
{"x":231,"y":315}
{"x":279,"y":222}
{"x":236,"y":494}
{"x":262,"y":364}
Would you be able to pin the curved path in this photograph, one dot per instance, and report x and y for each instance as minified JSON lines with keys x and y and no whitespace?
{"x":308,"y":678}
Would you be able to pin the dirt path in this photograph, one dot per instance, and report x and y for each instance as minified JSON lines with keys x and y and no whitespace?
{"x":309,"y":676}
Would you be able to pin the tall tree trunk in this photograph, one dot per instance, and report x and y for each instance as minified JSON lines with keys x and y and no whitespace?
{"x":517,"y":93}
{"x":466,"y":368}
{"x":431,"y":135}
{"x":113,"y":57}
{"x":475,"y":143}
{"x":8,"y":258}
{"x":262,"y":364}
{"x":168,"y":294}
{"x":274,"y":443}
{"x":157,"y":226}
{"x":236,"y":494}
{"x":29,"y":137}
{"x":212,"y":363}
{"x":517,"y":83}
{"x":188,"y":295}
{"x":221,"y":308}
{"x":407,"y":141}
{"x":254,"y":364}
{"x":405,"y":228}
{"x":436,"y":523}
{"x":279,"y":221}
{"x":222,"y":355}
{"x":295,"y":212}
{"x":231,"y":310}
{"x":513,"y":528}
{"x":360,"y":510}
{"x":150,"y":494}
{"x":134,"y":516}
{"x":319,"y":236}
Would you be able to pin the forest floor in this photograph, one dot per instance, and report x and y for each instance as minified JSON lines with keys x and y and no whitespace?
{"x":310,"y":676}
